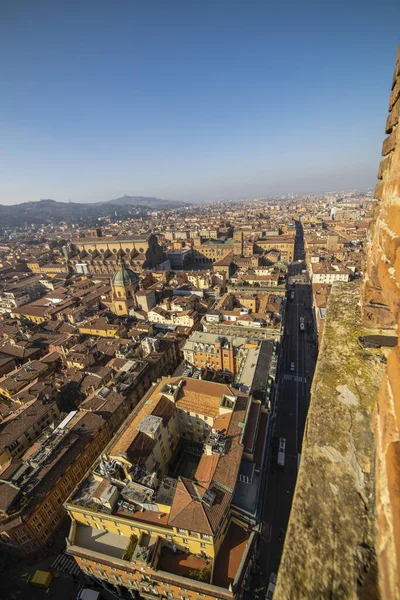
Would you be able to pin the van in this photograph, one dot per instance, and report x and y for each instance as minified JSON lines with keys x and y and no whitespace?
{"x":271,"y":587}
{"x":281,"y":452}
{"x":40,"y":579}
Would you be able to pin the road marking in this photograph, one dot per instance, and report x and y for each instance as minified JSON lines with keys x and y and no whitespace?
{"x":298,"y":378}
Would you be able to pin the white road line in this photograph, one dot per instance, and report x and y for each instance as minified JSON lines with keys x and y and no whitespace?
{"x":298,"y":378}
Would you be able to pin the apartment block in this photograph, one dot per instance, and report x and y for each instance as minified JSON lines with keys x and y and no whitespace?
{"x":155,"y":515}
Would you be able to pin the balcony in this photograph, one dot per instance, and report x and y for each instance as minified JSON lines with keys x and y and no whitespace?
{"x":145,"y":549}
{"x":184,"y":564}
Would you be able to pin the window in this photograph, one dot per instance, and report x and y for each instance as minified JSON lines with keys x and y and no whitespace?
{"x":203,"y":545}
{"x":205,"y":536}
{"x":181,"y":530}
{"x":185,"y":541}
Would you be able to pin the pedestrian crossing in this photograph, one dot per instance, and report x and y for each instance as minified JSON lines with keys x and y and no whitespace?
{"x":288,"y":377}
{"x":66,"y":564}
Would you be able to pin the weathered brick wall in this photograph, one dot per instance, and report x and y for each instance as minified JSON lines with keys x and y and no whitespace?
{"x":381,"y":307}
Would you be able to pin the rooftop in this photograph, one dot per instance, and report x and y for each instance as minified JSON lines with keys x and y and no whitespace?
{"x":181,"y":563}
{"x":101,"y":540}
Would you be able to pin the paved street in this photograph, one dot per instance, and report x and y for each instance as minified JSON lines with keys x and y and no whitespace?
{"x":291,"y":408}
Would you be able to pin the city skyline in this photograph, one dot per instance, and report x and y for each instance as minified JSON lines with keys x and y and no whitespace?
{"x":191,"y":103}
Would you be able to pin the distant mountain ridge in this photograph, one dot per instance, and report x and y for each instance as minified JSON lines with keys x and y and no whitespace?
{"x":46,"y":211}
{"x":148,"y":201}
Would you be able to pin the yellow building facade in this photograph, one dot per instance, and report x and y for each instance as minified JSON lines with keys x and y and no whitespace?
{"x":160,"y":497}
{"x":124,"y":284}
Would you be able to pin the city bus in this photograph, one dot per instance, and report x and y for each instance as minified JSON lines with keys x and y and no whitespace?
{"x":281,"y":452}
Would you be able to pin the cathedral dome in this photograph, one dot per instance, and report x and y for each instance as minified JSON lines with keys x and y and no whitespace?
{"x":124,"y":277}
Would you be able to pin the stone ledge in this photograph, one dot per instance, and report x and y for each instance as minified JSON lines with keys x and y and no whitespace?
{"x":329,"y":549}
{"x":393,"y":118}
{"x":389,"y":144}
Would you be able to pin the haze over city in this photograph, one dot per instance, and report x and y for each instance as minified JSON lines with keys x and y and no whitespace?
{"x":199,"y":300}
{"x":192,"y":101}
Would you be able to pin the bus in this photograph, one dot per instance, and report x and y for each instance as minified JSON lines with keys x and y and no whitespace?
{"x":271,"y":587}
{"x":281,"y":452}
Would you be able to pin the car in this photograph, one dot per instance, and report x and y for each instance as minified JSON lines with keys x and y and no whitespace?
{"x":292,"y":366}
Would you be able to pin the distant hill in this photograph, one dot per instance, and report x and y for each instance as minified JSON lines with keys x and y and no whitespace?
{"x":148,"y":201}
{"x":50,"y":211}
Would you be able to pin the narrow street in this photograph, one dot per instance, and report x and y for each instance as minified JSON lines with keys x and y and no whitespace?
{"x":296,"y":368}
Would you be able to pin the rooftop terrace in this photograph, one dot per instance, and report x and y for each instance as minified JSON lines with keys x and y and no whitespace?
{"x":101,"y":540}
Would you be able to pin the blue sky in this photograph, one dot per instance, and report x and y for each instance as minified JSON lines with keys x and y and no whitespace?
{"x":192,"y":100}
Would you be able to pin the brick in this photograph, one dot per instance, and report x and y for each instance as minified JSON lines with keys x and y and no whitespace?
{"x":390,"y":240}
{"x":396,"y":73}
{"x":372,"y":294}
{"x":379,"y":189}
{"x":393,"y":478}
{"x":393,"y":370}
{"x":389,"y":144}
{"x":376,"y":315}
{"x":395,"y":94}
{"x":393,"y":117}
{"x":389,"y":289}
{"x":384,"y":166}
{"x":387,"y":416}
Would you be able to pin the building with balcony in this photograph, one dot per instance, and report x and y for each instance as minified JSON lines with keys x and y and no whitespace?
{"x":155,"y":515}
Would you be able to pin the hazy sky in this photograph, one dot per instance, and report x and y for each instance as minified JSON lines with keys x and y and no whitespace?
{"x":192,"y":99}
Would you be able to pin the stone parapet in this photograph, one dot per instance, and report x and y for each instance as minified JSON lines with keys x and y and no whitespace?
{"x":329,"y":549}
{"x":381,"y":303}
